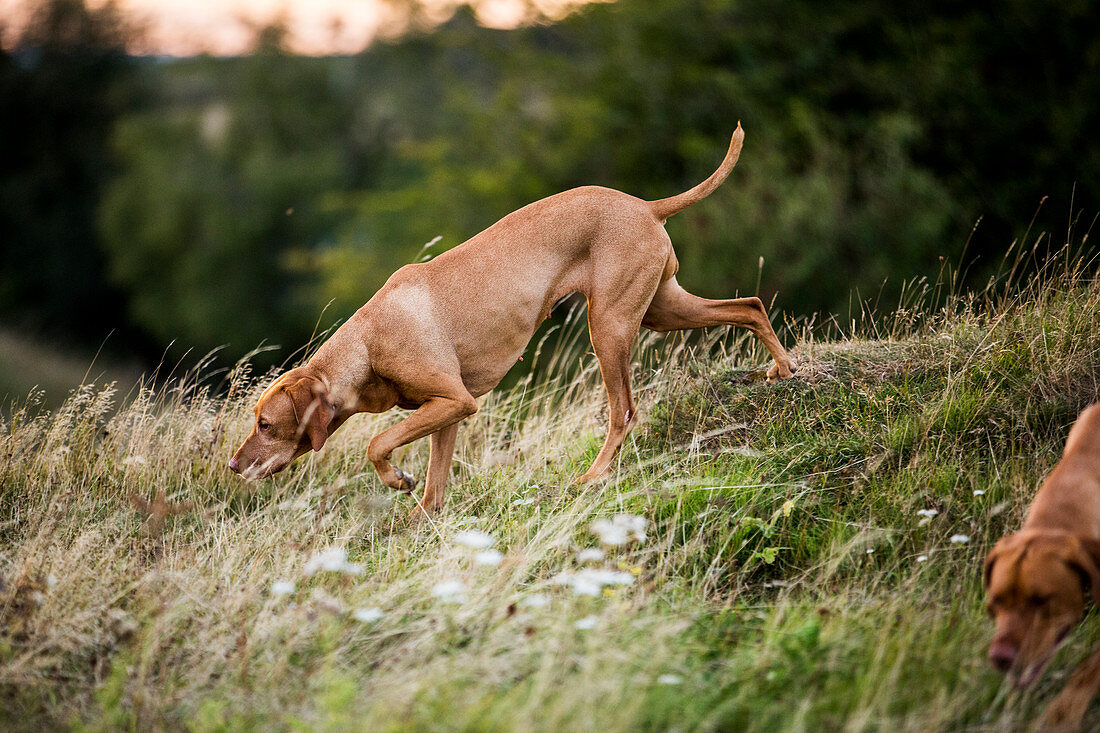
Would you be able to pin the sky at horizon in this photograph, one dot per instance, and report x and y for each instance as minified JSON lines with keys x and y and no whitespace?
{"x":316,"y":27}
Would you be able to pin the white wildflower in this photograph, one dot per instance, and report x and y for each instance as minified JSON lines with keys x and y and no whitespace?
{"x":535,"y":600}
{"x":669,"y":679}
{"x":367,"y":615}
{"x":620,"y":529}
{"x":590,"y":581}
{"x":282,"y":588}
{"x":585,"y":586}
{"x":524,"y":502}
{"x":590,"y":554}
{"x":979,"y":492}
{"x":870,"y":551}
{"x":475,"y":539}
{"x":960,"y":539}
{"x":608,"y":577}
{"x":450,"y":591}
{"x":922,"y":558}
{"x":333,"y":560}
{"x":586,"y":623}
{"x":929,"y":513}
{"x":488,"y":557}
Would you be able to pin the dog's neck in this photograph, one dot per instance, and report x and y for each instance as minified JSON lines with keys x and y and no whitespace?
{"x":1069,"y":499}
{"x":353,"y":385}
{"x":1059,"y":516}
{"x":1083,"y":442}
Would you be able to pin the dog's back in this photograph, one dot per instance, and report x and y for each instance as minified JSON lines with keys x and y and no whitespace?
{"x":1070,"y":497}
{"x":1084,"y":438}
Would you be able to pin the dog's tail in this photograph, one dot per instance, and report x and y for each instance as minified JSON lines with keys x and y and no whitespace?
{"x":664,"y":208}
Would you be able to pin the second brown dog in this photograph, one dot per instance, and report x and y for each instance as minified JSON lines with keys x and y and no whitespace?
{"x":1038,"y":579}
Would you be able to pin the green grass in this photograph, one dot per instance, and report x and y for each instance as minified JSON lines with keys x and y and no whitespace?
{"x":786,"y":581}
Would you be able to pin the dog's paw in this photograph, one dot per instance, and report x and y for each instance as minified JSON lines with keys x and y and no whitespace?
{"x":591,"y":477}
{"x":420,"y":514}
{"x":405,"y":482}
{"x":781,"y":371}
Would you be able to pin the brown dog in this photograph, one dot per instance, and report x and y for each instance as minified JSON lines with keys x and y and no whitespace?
{"x":1037,"y":579}
{"x":440,"y":333}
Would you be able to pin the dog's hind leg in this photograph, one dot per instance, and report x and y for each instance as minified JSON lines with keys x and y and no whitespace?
{"x":675,"y":309}
{"x":623,"y":284}
{"x":612,"y":341}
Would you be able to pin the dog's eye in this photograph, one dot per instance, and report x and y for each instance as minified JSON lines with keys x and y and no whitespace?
{"x":263,"y":425}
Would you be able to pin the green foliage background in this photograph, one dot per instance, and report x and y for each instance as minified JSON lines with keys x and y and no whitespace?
{"x":233,"y":198}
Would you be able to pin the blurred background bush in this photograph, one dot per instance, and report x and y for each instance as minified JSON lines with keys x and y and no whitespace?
{"x":224,"y":201}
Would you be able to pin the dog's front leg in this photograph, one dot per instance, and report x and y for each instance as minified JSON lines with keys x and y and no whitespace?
{"x":439,"y":468}
{"x":435,"y":415}
{"x":1066,"y":712}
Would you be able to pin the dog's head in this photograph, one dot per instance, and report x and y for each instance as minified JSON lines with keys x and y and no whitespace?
{"x":293,"y":416}
{"x":1036,"y":584}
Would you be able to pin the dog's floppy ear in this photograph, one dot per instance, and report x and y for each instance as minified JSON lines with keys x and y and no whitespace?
{"x":1003,"y":545}
{"x":987,"y":568}
{"x":312,"y":408}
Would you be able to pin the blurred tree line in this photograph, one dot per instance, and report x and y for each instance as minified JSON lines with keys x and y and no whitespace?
{"x":228,"y":200}
{"x":61,"y":93}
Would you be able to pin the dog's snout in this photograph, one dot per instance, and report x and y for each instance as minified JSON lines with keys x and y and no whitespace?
{"x":1002,"y":655}
{"x":234,"y":465}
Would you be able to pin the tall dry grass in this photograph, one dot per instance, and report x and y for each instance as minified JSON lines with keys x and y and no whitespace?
{"x":785,"y":580}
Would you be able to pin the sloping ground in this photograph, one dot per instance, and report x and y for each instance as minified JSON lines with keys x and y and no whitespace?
{"x":28,"y":364}
{"x":810,"y":557}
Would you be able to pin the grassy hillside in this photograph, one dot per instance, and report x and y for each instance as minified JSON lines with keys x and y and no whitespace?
{"x":33,"y":364}
{"x":810,"y":555}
